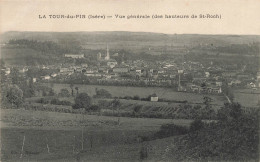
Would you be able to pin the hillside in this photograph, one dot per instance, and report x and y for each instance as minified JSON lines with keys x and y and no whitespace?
{"x":119,"y":39}
{"x":39,"y":47}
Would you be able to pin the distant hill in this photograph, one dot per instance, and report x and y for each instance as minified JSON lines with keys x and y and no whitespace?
{"x":130,"y":40}
{"x":51,"y":45}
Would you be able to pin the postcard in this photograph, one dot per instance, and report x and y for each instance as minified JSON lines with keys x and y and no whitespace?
{"x":133,"y":80}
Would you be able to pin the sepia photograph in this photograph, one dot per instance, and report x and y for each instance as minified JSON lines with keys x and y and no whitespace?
{"x":102,"y":81}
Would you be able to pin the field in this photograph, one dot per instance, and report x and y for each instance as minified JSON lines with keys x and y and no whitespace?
{"x":247,"y":97}
{"x":25,"y":56}
{"x":165,"y":93}
{"x":103,"y":137}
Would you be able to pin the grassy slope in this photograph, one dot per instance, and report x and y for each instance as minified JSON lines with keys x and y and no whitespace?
{"x":25,"y":56}
{"x":63,"y":131}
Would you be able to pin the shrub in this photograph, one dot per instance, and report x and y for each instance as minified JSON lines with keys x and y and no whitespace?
{"x":54,"y":101}
{"x":168,"y":130}
{"x":13,"y":95}
{"x":42,"y":101}
{"x":67,"y":103}
{"x":196,"y":125}
{"x":94,"y":108}
{"x":128,"y":98}
{"x":64,"y":93}
{"x":136,"y":97}
{"x":102,"y":93}
{"x":83,"y":100}
{"x":234,"y":137}
{"x":143,"y":153}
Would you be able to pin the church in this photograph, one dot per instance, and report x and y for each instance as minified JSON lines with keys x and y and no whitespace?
{"x":107,"y":60}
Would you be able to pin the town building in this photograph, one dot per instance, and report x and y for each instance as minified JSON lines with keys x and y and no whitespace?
{"x":111,"y":63}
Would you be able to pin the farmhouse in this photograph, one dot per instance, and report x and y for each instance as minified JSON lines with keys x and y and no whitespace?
{"x":46,"y":77}
{"x":7,"y":71}
{"x":53,"y":75}
{"x":214,"y":89}
{"x":154,"y":98}
{"x":34,"y":80}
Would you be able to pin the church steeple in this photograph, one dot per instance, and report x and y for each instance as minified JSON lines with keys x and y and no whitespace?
{"x":107,"y":56}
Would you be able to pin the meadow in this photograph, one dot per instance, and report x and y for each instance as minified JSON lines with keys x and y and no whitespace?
{"x":247,"y":97}
{"x":58,"y":136}
{"x":142,"y":92}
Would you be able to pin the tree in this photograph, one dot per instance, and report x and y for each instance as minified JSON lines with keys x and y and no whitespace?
{"x":115,"y":104}
{"x":77,"y":89}
{"x":14,"y":95}
{"x":228,"y":92}
{"x":137,"y":110}
{"x":83,"y":100}
{"x":196,"y":125}
{"x":51,"y":92}
{"x":136,"y":97}
{"x":14,"y":75}
{"x":71,"y":87}
{"x":207,"y":100}
{"x":28,"y":88}
{"x":64,"y":92}
{"x":230,"y":112}
{"x":102,"y":93}
{"x":3,"y":76}
{"x":203,"y":85}
{"x":94,"y":108}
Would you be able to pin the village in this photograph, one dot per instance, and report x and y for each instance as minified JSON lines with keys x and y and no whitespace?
{"x":185,"y":76}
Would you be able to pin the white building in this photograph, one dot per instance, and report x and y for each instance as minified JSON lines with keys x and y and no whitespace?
{"x":154,"y":98}
{"x":207,"y":74}
{"x":46,"y":77}
{"x":34,"y":80}
{"x":7,"y":71}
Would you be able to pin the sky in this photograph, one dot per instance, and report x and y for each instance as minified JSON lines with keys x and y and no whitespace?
{"x":237,"y":17}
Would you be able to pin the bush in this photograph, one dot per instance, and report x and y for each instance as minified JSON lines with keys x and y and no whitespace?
{"x":94,"y":108}
{"x":128,"y":98}
{"x":136,"y":97}
{"x":102,"y":93}
{"x":12,"y":94}
{"x":83,"y":100}
{"x":196,"y":125}
{"x":42,"y":101}
{"x":64,"y":93}
{"x":56,"y":101}
{"x":143,"y":153}
{"x":67,"y":103}
{"x":234,"y":137}
{"x":168,"y":130}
